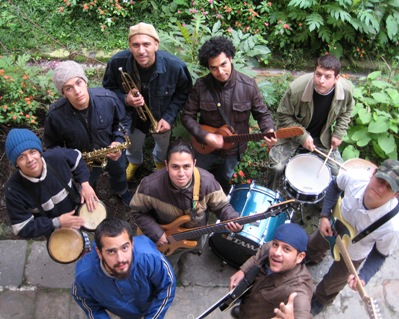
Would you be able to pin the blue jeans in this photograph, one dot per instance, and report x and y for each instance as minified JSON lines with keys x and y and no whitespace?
{"x":117,"y":175}
{"x":220,"y":166}
{"x":135,"y":152}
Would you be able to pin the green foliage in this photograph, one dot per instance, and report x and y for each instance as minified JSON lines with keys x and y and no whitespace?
{"x":373,"y":132}
{"x":24,"y":92}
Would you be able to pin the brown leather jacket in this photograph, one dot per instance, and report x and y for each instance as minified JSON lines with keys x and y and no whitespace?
{"x":239,"y":97}
{"x":270,"y":289}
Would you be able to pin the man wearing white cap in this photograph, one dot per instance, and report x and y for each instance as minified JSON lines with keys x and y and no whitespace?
{"x":163,"y":84}
{"x":88,"y":119}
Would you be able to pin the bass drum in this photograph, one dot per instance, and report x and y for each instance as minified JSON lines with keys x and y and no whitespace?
{"x":251,"y":199}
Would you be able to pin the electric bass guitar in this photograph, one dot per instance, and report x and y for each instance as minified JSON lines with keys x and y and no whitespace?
{"x":230,"y":139}
{"x":343,"y":233}
{"x":178,"y":236}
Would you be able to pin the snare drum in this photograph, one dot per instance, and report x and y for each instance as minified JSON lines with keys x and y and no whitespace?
{"x":65,"y":245}
{"x":94,"y":218}
{"x":236,"y":248}
{"x":304,"y":180}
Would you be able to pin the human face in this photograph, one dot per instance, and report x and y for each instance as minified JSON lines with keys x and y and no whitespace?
{"x":30,"y":163}
{"x":377,"y":193}
{"x":116,"y":255}
{"x":283,"y":257}
{"x":143,"y":48}
{"x":220,"y":67}
{"x":180,"y":168}
{"x":75,"y":90}
{"x":324,"y":80}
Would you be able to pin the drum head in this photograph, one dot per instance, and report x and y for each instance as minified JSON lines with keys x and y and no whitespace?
{"x":360,"y":165}
{"x":304,"y":174}
{"x":94,"y":218}
{"x":65,"y":245}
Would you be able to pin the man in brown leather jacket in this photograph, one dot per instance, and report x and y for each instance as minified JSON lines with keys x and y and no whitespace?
{"x":237,"y":96}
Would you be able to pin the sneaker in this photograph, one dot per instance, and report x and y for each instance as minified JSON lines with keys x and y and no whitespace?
{"x":317,"y":307}
{"x":126,"y":197}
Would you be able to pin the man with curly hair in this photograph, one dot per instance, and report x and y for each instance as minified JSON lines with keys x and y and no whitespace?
{"x":223,"y":97}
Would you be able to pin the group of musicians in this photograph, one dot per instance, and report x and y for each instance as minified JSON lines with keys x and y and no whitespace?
{"x":134,"y":277}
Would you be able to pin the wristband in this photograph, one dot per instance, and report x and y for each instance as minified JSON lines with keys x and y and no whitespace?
{"x":56,"y":222}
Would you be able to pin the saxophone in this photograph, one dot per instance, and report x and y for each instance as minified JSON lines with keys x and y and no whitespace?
{"x":99,"y":156}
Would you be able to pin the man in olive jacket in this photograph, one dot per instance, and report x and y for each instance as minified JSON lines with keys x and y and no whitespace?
{"x":224,"y":96}
{"x":320,"y":102}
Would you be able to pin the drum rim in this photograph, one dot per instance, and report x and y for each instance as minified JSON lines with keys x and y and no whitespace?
{"x":65,"y":229}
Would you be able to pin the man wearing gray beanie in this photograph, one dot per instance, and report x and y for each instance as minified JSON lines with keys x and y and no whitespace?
{"x":163,"y":83}
{"x":277,"y":271}
{"x":89,"y":120}
{"x":37,"y":200}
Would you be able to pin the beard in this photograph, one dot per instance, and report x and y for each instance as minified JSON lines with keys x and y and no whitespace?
{"x":116,"y":274}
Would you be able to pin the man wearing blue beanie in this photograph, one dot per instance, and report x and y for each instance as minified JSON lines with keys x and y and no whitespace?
{"x":36,"y":199}
{"x":280,"y":273}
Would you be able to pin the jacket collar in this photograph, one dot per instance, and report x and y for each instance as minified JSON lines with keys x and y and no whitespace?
{"x":307,"y":95}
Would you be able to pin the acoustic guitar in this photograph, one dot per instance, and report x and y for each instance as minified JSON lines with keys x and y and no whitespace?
{"x":343,"y":233}
{"x":231,"y":139}
{"x":178,"y":236}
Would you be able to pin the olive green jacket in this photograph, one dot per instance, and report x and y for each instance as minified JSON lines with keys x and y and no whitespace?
{"x":296,"y":109}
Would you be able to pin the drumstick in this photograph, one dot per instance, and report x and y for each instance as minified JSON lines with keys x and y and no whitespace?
{"x":331,"y":159}
{"x":325,"y":161}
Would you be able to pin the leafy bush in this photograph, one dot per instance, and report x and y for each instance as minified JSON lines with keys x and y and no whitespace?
{"x":373,"y":132}
{"x":24,"y":92}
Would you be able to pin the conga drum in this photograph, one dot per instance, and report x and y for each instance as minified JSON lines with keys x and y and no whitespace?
{"x":94,"y":218}
{"x":65,"y":245}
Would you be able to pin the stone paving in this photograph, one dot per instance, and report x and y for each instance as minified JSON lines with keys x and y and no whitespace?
{"x":34,"y":286}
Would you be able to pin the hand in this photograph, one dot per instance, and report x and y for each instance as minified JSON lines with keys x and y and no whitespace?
{"x":234,"y":227}
{"x":308,"y":144}
{"x":134,"y":98}
{"x":325,"y":227}
{"x":286,"y":311}
{"x":162,"y":241}
{"x":353,"y":283}
{"x":235,"y":279}
{"x":88,"y":196}
{"x":68,"y":220}
{"x":115,"y":155}
{"x":163,"y":126}
{"x":270,"y":141}
{"x":214,"y":140}
{"x":335,"y":142}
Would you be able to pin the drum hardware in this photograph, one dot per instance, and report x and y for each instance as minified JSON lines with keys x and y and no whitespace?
{"x":330,"y":158}
{"x":144,"y":111}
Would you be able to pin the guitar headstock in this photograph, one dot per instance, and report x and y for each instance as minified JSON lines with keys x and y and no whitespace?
{"x":372,"y":307}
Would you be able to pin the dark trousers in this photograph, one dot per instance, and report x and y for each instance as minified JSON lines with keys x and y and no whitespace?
{"x":336,"y":277}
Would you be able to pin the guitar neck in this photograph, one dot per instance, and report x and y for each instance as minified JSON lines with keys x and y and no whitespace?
{"x":349,"y":264}
{"x":200,"y":231}
{"x":246,"y":137}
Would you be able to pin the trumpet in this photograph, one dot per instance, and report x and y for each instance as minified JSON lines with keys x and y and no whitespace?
{"x":99,"y":156}
{"x":128,"y":85}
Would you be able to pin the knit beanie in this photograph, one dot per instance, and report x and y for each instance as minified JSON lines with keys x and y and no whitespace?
{"x":65,"y":71}
{"x":143,"y":28}
{"x":19,"y":140}
{"x":293,"y":235}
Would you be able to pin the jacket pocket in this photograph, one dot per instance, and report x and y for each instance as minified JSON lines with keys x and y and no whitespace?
{"x":241,"y":111}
